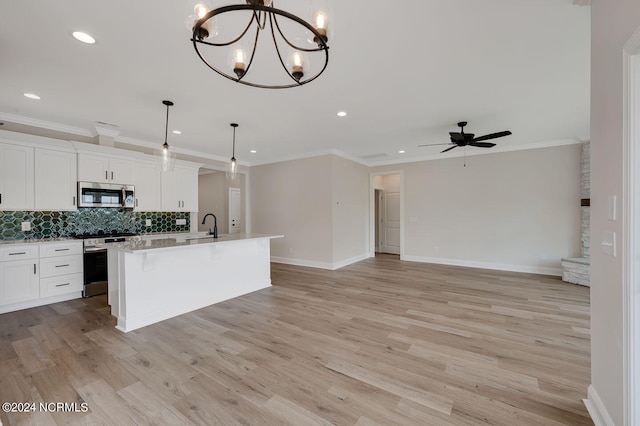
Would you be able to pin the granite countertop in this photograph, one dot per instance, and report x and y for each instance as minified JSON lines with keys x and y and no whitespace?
{"x":168,"y":243}
{"x":37,"y":240}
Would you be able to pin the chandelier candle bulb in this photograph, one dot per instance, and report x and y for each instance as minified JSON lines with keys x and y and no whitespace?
{"x":320,"y":24}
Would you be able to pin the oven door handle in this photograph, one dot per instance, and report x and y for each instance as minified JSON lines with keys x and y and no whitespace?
{"x":94,"y":249}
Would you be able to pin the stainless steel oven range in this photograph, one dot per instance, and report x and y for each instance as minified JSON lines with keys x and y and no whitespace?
{"x":96,"y":277}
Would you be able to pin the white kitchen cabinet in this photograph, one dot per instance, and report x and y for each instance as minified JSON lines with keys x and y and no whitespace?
{"x":61,"y":268}
{"x":180,"y":190}
{"x":19,"y":279}
{"x":105,"y":169}
{"x":55,"y":180}
{"x":16,"y":177}
{"x":146,"y":178}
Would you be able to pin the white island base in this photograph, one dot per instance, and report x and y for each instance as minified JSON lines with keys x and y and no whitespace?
{"x":152,"y":281}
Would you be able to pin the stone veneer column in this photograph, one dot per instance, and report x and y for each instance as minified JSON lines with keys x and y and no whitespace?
{"x":576,"y":270}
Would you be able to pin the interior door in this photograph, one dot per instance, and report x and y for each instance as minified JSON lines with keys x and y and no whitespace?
{"x":390,"y":223}
{"x":235,"y":224}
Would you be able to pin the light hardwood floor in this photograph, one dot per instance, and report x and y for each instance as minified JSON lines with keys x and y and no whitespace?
{"x":378,"y":342}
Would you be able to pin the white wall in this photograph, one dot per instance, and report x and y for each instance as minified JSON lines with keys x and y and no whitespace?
{"x":350,"y":205}
{"x":294,"y":198}
{"x":516,"y":210}
{"x":211,"y":199}
{"x":612,"y":24}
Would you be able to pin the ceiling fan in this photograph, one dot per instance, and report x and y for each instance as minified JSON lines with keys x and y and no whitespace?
{"x":464,"y":139}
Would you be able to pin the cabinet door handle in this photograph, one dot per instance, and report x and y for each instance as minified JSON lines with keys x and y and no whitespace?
{"x":111,"y":175}
{"x":15,"y":253}
{"x":74,"y":200}
{"x":106,"y":175}
{"x":0,"y":198}
{"x":136,"y":202}
{"x":62,"y":266}
{"x":34,"y":269}
{"x":65,"y":249}
{"x":62,"y":285}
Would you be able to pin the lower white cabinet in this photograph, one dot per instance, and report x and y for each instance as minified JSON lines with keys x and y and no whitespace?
{"x":60,"y":268}
{"x":54,"y":286}
{"x":36,"y":274}
{"x":19,"y":279}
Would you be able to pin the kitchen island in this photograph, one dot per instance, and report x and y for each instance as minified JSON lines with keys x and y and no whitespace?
{"x":153,"y":280}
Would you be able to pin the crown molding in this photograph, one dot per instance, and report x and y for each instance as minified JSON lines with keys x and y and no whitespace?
{"x":49,"y":125}
{"x":177,"y":150}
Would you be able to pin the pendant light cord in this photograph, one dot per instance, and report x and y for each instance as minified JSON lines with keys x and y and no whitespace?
{"x":166,"y":126}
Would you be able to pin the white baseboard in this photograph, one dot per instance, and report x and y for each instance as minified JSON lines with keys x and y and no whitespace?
{"x":596,"y":408}
{"x":319,"y":265}
{"x":486,"y":265}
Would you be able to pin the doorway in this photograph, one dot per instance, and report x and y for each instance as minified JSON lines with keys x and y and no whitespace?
{"x":235,"y":222}
{"x":386,"y":227}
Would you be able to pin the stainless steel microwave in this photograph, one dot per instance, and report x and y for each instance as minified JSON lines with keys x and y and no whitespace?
{"x":93,"y":194}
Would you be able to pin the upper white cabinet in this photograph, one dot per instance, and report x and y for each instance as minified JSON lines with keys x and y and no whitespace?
{"x":16,"y":177}
{"x":55,"y":180}
{"x":180,"y":190}
{"x":105,"y":169}
{"x":146,"y":178}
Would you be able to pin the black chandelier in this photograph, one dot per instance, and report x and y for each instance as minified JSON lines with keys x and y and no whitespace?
{"x":293,"y":54}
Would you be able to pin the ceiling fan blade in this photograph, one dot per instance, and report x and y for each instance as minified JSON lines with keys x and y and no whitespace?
{"x":436,"y":144}
{"x":449,"y":149}
{"x":492,"y":136}
{"x":482,"y":144}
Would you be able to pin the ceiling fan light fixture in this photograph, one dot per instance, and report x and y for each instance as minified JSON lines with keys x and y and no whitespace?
{"x":284,"y":29}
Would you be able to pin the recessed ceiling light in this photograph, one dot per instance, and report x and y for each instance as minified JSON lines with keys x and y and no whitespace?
{"x":83,"y":37}
{"x":31,"y":96}
{"x":253,"y":151}
{"x":342,"y":114}
{"x":402,"y":151}
{"x":177,"y":132}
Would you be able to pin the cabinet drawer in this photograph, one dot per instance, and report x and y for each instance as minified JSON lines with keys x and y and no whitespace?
{"x":18,"y":252}
{"x":64,"y":248}
{"x":54,"y":286}
{"x":61,"y":265}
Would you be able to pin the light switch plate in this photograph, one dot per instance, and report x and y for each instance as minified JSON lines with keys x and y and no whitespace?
{"x":26,"y":226}
{"x":609,"y":243}
{"x":181,"y":221}
{"x":612,"y":207}
{"x":147,"y":222}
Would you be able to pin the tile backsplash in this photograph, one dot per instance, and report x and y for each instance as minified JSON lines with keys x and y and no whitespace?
{"x":87,"y":220}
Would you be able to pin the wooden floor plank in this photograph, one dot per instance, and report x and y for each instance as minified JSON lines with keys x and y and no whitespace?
{"x":379,"y":342}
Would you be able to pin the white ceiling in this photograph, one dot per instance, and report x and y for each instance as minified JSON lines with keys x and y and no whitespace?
{"x":406,"y":72}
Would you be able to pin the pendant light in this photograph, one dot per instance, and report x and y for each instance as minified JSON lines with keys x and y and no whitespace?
{"x":232,"y":168}
{"x":168,"y":157}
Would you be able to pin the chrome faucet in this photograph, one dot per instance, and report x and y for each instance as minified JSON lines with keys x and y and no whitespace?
{"x":215,"y":224}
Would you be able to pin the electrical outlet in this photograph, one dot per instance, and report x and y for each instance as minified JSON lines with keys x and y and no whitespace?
{"x":147,"y":222}
{"x":181,"y":221}
{"x":26,"y":226}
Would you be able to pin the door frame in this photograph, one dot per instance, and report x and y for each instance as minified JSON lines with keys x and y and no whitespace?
{"x":372,"y":210}
{"x":630,"y":232}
